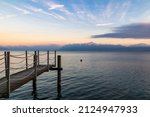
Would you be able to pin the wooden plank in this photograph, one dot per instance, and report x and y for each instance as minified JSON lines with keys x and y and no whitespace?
{"x":12,"y":82}
{"x":21,"y":78}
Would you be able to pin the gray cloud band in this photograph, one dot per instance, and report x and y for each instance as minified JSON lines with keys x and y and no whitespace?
{"x":135,"y":31}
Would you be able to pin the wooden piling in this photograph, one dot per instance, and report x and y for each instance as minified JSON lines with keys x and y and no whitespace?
{"x":26,"y":60}
{"x":7,"y":71}
{"x":35,"y":63}
{"x":48,"y":60}
{"x":38,"y":57}
{"x":5,"y":54}
{"x":55,"y":57}
{"x":35,"y":77}
{"x":59,"y":75}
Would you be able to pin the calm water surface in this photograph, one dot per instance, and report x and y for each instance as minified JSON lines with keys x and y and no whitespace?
{"x":101,"y":75}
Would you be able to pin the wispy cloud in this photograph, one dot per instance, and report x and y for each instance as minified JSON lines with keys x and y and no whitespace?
{"x":12,"y":11}
{"x":105,"y":24}
{"x":23,"y":11}
{"x":2,"y":17}
{"x":135,"y":31}
{"x":57,"y":6}
{"x":82,"y":14}
{"x":108,"y":12}
{"x":42,"y":11}
{"x":124,"y":10}
{"x":31,"y":9}
{"x":34,"y":0}
{"x":53,"y":6}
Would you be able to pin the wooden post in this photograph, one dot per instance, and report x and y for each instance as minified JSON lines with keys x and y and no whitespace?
{"x":26,"y":60}
{"x":5,"y":54}
{"x":35,"y":63}
{"x":7,"y":68}
{"x":59,"y":75}
{"x":48,"y":60}
{"x":35,"y":77}
{"x":38,"y":58}
{"x":55,"y":59}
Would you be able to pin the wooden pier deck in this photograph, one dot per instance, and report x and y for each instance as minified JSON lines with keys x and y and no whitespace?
{"x":9,"y":83}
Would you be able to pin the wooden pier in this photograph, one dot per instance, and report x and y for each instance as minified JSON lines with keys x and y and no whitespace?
{"x":29,"y":71}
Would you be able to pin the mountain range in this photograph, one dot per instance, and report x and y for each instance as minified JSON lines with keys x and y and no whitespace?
{"x":81,"y":47}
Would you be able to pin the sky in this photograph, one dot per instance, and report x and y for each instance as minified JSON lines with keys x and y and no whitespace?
{"x":43,"y":22}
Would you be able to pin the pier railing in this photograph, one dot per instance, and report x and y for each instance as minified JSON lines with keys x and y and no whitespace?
{"x":13,"y":63}
{"x":25,"y":60}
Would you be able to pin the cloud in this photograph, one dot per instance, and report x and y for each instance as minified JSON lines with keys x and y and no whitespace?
{"x":56,"y":6}
{"x":22,"y":10}
{"x":135,"y":31}
{"x":84,"y":15}
{"x":39,"y":10}
{"x":124,"y":10}
{"x":2,"y":17}
{"x":34,"y":0}
{"x":104,"y":24}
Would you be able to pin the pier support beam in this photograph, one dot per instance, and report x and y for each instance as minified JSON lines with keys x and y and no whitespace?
{"x":35,"y":77}
{"x":59,"y":76}
{"x":55,"y":58}
{"x":47,"y":60}
{"x":38,"y":57}
{"x":7,"y":72}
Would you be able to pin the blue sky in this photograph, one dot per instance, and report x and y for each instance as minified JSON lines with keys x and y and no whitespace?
{"x":34,"y":22}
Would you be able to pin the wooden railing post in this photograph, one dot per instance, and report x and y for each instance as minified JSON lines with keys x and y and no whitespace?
{"x":35,"y":77}
{"x":48,"y":60}
{"x":5,"y":54}
{"x":55,"y":58}
{"x":38,"y":57}
{"x":7,"y":68}
{"x":26,"y":59}
{"x":59,"y":75}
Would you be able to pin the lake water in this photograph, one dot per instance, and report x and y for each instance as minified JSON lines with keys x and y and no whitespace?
{"x":100,"y":76}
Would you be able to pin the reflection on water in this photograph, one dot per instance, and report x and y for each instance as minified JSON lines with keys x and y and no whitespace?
{"x":100,"y":75}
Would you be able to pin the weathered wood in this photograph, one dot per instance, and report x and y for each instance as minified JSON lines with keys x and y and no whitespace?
{"x":5,"y":54}
{"x":55,"y":68}
{"x":48,"y":60}
{"x":35,"y":63}
{"x":8,"y":73}
{"x":59,"y":75}
{"x":12,"y":82}
{"x":21,"y":78}
{"x":35,"y":77}
{"x":55,"y":57}
{"x":38,"y":57}
{"x":26,"y":59}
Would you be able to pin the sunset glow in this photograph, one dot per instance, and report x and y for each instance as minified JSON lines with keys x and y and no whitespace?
{"x":43,"y":22}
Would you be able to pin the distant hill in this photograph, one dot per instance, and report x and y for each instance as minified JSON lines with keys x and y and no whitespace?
{"x":3,"y":48}
{"x":81,"y":47}
{"x":141,"y":45}
{"x":31,"y":48}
